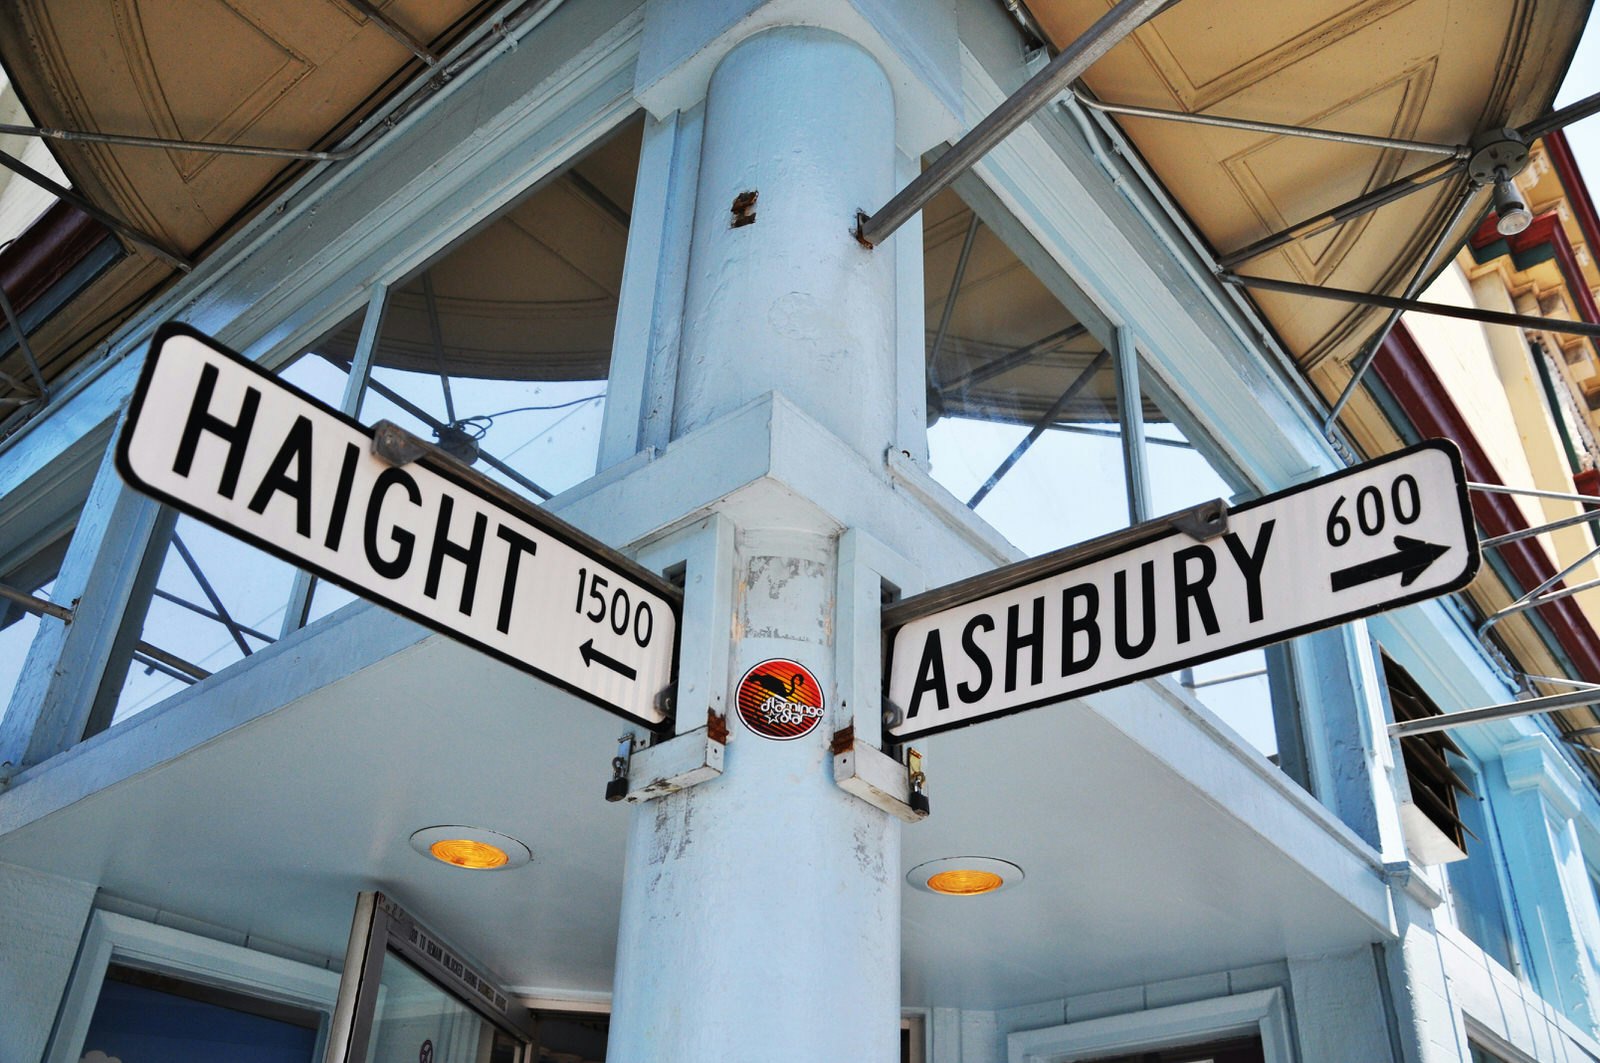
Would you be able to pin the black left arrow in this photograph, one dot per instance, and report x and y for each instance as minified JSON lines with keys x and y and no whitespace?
{"x":591,"y":655}
{"x":1410,"y":558}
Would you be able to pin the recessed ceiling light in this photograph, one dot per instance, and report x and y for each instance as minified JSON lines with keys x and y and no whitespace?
{"x":470,"y":847}
{"x":965,"y":876}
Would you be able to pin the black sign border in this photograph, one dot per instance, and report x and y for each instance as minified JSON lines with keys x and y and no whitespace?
{"x":1468,"y":574}
{"x":547,"y":522}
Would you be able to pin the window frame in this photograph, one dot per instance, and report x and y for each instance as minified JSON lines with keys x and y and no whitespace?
{"x":129,"y":942}
{"x":1263,"y":1012}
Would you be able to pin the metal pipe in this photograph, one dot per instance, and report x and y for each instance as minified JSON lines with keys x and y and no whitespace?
{"x":1345,"y":295}
{"x":1130,"y":413}
{"x":1350,"y":208}
{"x":1563,"y":496}
{"x":426,"y":418}
{"x":1010,"y":360}
{"x":436,"y":337}
{"x":223,"y":616}
{"x":208,"y":146}
{"x":1532,"y":599}
{"x":1039,"y":427}
{"x":200,"y":610}
{"x":1510,"y":710}
{"x":1529,"y":533}
{"x":24,"y":346}
{"x":1017,"y":108}
{"x":110,"y":221}
{"x":395,"y":31}
{"x":1572,"y":112}
{"x":42,"y":607}
{"x":1418,"y":281}
{"x":1523,"y":606}
{"x":1453,"y":151}
{"x":950,"y":302}
{"x":1189,"y":682}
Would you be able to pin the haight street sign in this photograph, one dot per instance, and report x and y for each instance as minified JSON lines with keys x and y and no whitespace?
{"x":1155,"y":599}
{"x":216,"y":436}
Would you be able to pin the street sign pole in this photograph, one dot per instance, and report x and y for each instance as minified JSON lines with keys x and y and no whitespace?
{"x":1180,"y":591}
{"x":396,"y":520}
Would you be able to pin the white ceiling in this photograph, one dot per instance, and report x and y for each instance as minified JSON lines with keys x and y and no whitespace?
{"x":1133,"y":873}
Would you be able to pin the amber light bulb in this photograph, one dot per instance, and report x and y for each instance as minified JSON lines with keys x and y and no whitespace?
{"x":464,"y":852}
{"x":965,"y":883}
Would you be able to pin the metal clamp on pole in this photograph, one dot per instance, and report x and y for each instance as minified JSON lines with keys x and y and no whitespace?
{"x":617,"y":788}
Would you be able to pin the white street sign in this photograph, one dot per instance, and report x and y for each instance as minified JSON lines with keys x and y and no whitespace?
{"x":1370,"y":538}
{"x":219,"y":438}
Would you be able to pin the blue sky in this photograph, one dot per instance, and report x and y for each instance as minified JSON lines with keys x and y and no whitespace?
{"x":1583,"y":79}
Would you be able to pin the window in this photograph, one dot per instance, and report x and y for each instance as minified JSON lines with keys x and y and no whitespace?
{"x":143,"y":993}
{"x":153,"y":1018}
{"x":1476,"y":898}
{"x":1030,"y":426}
{"x":1435,"y":833}
{"x":497,"y":349}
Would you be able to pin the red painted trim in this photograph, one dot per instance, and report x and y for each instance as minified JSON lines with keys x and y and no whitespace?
{"x":47,"y":251}
{"x":1578,"y":199}
{"x":1406,"y":374}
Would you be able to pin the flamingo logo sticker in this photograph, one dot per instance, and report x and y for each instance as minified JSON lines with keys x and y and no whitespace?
{"x":780,"y":699}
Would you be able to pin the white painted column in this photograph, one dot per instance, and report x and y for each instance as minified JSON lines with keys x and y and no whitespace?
{"x":761,"y":910}
{"x":804,"y":119}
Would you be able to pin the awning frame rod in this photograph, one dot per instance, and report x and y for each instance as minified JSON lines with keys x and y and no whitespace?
{"x":205,"y":146}
{"x":1455,"y":151}
{"x":1017,"y":108}
{"x":1510,"y":710}
{"x":1346,"y":295}
{"x":1419,"y":280}
{"x":110,"y":221}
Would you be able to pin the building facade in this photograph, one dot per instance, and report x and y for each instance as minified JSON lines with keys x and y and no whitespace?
{"x":606,"y":252}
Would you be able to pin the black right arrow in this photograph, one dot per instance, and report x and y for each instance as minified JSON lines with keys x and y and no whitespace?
{"x":590,"y":655}
{"x":1411,"y":557}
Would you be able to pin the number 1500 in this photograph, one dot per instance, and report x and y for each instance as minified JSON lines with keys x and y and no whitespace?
{"x":617,"y":613}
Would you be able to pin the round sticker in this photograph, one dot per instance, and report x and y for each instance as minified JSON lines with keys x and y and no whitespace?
{"x":780,"y":699}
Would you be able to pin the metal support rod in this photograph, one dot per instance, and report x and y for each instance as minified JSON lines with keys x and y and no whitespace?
{"x":24,"y":346}
{"x":223,"y":616}
{"x":1572,"y":112}
{"x":428,"y":419}
{"x":1113,"y":433}
{"x":1452,"y":150}
{"x":950,"y":303}
{"x":1418,"y":281}
{"x":1039,"y":427}
{"x":42,"y":607}
{"x":436,"y":336}
{"x":152,"y":664}
{"x":209,"y":147}
{"x":394,"y":30}
{"x":1012,"y":359}
{"x":1532,"y":599}
{"x":115,"y":224}
{"x":1350,"y":208}
{"x":1573,"y":700}
{"x":1529,"y":533}
{"x":1346,"y":295}
{"x":1522,"y":606}
{"x":1563,"y":496}
{"x":200,"y":610}
{"x":1039,"y":90}
{"x":1186,"y":678}
{"x":1130,"y":411}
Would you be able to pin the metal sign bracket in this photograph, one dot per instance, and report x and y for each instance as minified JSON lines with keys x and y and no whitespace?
{"x":880,"y":780}
{"x":671,"y":764}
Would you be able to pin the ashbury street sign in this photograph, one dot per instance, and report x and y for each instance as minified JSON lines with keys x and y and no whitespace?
{"x":217,"y":437}
{"x":1156,"y":598}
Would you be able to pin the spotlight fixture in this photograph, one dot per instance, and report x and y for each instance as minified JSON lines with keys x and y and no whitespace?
{"x":472,"y":848}
{"x":1513,"y":213}
{"x":964,"y":876}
